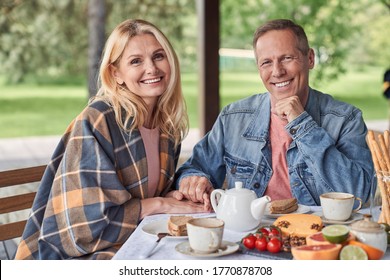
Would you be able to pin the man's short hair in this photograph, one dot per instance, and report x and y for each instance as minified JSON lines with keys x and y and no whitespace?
{"x":284,"y":24}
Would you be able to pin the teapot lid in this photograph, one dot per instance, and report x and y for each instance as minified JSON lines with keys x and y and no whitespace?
{"x":367,"y":225}
{"x":239,"y":189}
{"x":238,"y":185}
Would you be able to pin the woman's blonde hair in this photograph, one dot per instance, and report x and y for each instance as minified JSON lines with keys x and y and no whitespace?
{"x":170,"y":113}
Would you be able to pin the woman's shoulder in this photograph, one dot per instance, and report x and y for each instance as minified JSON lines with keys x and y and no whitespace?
{"x":97,"y":113}
{"x":97,"y":109}
{"x":100,"y":105}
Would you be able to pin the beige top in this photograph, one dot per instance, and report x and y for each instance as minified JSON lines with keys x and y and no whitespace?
{"x":151,"y":139}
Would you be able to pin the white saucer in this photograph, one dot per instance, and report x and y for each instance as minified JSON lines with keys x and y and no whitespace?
{"x":226,"y":249}
{"x":155,"y":227}
{"x":301,"y":210}
{"x":354,"y":217}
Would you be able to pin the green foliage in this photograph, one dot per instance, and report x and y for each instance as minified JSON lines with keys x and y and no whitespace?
{"x":372,"y":42}
{"x":38,"y":37}
{"x":49,"y":38}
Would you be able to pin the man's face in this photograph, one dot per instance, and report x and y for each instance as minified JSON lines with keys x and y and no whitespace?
{"x":283,"y":69}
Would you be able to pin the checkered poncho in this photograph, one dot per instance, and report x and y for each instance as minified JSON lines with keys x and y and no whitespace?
{"x":88,"y":202}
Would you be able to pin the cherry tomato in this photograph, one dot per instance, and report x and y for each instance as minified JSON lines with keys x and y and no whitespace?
{"x":261,"y":243}
{"x":264,"y":231}
{"x":274,"y":232}
{"x":249,"y":241}
{"x":274,"y":245}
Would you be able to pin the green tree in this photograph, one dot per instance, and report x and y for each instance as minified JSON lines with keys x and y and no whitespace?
{"x":386,"y":3}
{"x":372,"y":41}
{"x":50,"y":37}
{"x":42,"y":37}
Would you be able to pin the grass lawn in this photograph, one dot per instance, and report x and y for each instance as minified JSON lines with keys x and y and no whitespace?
{"x":364,"y":90}
{"x":31,"y":110}
{"x":38,"y":110}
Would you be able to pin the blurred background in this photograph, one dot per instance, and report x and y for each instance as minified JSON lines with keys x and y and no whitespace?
{"x":45,"y":49}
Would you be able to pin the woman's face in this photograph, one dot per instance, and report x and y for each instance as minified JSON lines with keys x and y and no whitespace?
{"x":144,"y":68}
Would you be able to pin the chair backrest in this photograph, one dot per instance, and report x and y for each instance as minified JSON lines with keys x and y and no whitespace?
{"x":13,"y":203}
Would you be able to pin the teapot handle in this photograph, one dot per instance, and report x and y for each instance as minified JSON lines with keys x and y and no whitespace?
{"x":213,"y":198}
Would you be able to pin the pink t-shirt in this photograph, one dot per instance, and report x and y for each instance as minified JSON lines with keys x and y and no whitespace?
{"x":279,"y":184}
{"x":151,"y":138}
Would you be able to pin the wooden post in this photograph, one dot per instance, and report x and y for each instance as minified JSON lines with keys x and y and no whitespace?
{"x":208,"y":58}
{"x":96,"y":28}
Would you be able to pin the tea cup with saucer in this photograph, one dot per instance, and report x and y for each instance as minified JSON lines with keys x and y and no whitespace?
{"x":205,"y":234}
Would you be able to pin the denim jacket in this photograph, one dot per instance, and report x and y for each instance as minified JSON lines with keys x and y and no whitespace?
{"x":328,"y":151}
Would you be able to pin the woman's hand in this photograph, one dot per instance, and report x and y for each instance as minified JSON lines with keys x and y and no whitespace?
{"x":171,"y":205}
{"x":180,"y":196}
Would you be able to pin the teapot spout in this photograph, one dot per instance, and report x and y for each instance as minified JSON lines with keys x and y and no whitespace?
{"x":258,"y":207}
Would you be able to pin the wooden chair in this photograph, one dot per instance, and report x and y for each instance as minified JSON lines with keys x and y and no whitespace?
{"x":10,"y":204}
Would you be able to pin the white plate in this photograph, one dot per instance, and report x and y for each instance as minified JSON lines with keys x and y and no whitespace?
{"x":301,"y":210}
{"x":155,"y":227}
{"x":226,"y":249}
{"x":354,"y":217}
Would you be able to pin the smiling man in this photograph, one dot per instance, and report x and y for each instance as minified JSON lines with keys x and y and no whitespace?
{"x":292,"y":141}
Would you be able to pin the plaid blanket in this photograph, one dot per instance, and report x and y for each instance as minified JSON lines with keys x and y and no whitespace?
{"x":88,"y":202}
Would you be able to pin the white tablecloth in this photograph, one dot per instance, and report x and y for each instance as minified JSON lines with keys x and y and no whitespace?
{"x":139,"y":241}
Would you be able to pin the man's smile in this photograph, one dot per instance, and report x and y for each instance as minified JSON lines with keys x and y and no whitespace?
{"x":282,"y":84}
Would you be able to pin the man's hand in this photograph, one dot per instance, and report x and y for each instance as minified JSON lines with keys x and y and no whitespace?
{"x":196,"y":189}
{"x":288,"y":108}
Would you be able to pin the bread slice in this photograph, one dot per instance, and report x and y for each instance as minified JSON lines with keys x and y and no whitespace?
{"x":177,"y":225}
{"x":283,"y":206}
{"x":296,"y":227}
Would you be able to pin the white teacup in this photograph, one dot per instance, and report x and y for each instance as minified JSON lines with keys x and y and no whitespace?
{"x":205,"y":234}
{"x":338,"y":206}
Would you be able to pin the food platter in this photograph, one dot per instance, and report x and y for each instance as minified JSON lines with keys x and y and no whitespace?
{"x":302,"y":209}
{"x":265,"y":254}
{"x":155,"y":227}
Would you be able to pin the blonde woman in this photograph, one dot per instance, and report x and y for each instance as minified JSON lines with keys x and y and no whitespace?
{"x":116,"y":161}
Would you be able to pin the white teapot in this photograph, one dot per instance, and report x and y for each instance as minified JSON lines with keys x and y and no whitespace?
{"x":239,"y":208}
